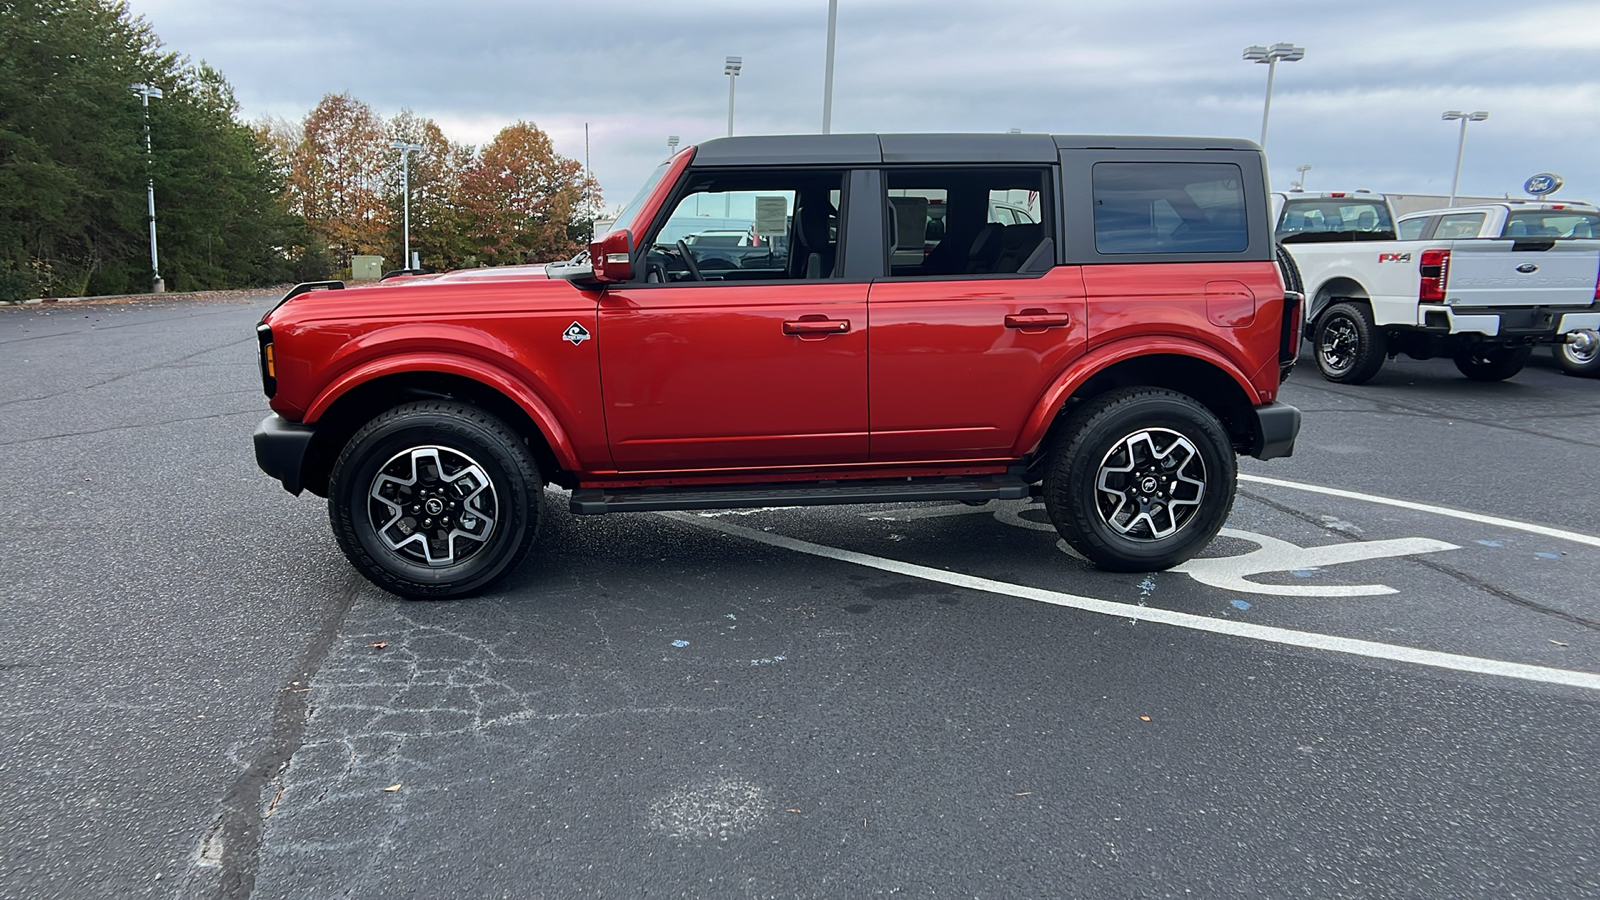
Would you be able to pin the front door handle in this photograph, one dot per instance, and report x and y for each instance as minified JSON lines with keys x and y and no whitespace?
{"x":1038,"y":318}
{"x":817,"y":325}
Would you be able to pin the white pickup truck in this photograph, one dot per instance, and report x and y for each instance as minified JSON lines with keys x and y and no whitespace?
{"x":1377,"y":288}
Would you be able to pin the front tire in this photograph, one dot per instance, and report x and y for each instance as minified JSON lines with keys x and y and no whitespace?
{"x":434,"y":500}
{"x":1492,"y":363}
{"x":1349,"y":346}
{"x":1141,"y":480}
{"x":1582,"y":357}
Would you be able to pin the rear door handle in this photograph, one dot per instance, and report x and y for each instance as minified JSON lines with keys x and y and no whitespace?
{"x":816,"y":326}
{"x":1038,"y":318}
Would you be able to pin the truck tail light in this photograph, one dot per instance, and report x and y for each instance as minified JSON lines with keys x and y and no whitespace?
{"x":1435,"y":275}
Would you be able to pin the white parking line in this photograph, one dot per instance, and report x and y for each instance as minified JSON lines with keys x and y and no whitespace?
{"x":1546,"y":530}
{"x":1310,"y":640}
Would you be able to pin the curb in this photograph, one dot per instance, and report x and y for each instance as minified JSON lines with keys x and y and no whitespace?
{"x":192,"y":295}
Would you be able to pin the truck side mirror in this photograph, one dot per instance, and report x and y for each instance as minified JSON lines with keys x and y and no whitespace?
{"x":611,"y":257}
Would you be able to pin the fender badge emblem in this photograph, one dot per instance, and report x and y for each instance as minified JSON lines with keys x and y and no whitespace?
{"x":575,"y":333}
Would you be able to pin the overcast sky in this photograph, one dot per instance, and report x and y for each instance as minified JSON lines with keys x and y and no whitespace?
{"x":1362,"y":108}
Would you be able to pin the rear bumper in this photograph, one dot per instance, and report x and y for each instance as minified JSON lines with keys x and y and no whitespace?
{"x":1276,"y":427}
{"x":281,"y":450}
{"x":1528,"y":323}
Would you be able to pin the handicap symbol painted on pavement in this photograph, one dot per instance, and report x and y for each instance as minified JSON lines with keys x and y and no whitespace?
{"x":1274,"y":555}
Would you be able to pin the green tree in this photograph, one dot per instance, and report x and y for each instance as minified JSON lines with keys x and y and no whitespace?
{"x":73,"y":166}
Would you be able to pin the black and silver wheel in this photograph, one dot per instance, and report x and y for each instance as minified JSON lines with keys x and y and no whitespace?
{"x":1580,"y":357}
{"x":1142,"y":479}
{"x":1492,"y":363}
{"x":1349,"y":347}
{"x":434,"y":499}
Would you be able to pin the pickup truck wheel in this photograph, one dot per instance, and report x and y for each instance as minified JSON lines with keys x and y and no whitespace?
{"x":1142,"y":479}
{"x":1349,"y":347}
{"x":1582,"y":357}
{"x":434,"y":500}
{"x":1492,"y":363}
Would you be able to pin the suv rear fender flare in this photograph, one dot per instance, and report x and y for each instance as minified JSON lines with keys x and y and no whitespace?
{"x":477,"y":370}
{"x":1104,"y":358}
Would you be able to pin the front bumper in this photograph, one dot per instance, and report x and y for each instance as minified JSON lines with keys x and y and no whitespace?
{"x":281,"y":450}
{"x":1276,"y":427}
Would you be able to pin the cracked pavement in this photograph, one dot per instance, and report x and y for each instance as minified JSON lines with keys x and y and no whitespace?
{"x":199,"y":698}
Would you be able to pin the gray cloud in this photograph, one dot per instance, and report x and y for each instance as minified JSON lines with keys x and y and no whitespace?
{"x":1362,"y":108}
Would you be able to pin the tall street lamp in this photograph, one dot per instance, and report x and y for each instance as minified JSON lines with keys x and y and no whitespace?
{"x":406,"y":149}
{"x":1302,"y":169}
{"x":146,"y":91}
{"x":1461,"y":144}
{"x":827,"y":78}
{"x":731,"y":67}
{"x":1270,"y":56}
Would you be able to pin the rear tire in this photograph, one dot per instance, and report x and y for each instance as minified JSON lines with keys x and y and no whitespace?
{"x":434,"y":500}
{"x":1581,"y":359}
{"x":1349,"y":347}
{"x":1492,"y":363}
{"x":1142,"y":479}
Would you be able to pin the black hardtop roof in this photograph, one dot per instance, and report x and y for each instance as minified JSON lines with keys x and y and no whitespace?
{"x":876,"y":149}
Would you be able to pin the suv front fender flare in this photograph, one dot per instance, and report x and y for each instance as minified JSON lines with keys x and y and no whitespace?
{"x":463,"y":366}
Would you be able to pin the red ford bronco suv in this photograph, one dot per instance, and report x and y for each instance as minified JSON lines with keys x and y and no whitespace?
{"x":910,"y":337}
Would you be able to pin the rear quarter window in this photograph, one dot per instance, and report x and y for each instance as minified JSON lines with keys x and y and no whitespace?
{"x":1160,"y":207}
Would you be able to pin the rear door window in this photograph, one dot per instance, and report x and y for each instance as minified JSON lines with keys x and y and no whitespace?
{"x":1411,"y":229}
{"x":1460,"y":225}
{"x":967,"y":221}
{"x":1158,"y":207}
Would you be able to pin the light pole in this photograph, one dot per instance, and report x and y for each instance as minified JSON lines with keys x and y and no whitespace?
{"x":731,"y":67}
{"x":827,"y":78}
{"x":1270,"y":56}
{"x":1461,"y":144}
{"x":406,"y":149}
{"x":147,"y":91}
{"x":1302,"y":169}
{"x":672,"y":145}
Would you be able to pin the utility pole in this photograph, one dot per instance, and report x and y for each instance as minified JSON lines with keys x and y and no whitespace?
{"x":1461,"y":145}
{"x":731,"y":68}
{"x":406,"y":149}
{"x":146,"y":91}
{"x":1270,"y":56}
{"x":827,"y":78}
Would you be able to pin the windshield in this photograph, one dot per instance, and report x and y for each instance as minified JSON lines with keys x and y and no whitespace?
{"x":1557,"y":223}
{"x":1334,"y":219}
{"x":630,"y":212}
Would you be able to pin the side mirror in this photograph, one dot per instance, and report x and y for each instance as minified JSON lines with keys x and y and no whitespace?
{"x":611,"y":257}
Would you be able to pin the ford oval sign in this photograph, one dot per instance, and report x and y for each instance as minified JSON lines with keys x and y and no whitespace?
{"x":1542,"y":184}
{"x":1527,"y":268}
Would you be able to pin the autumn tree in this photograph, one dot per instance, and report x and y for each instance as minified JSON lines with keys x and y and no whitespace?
{"x":523,"y":202}
{"x":337,"y":177}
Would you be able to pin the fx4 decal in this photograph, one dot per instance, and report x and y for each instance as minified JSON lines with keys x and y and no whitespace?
{"x":1394,"y":257}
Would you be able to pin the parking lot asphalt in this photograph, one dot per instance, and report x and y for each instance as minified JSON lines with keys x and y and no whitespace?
{"x":1382,"y":681}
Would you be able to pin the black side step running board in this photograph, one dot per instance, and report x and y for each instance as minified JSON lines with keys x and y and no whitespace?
{"x":975,"y":488}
